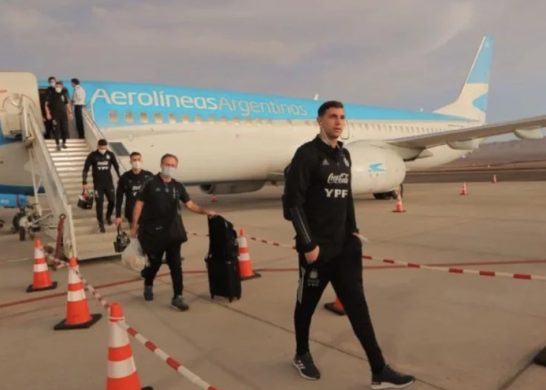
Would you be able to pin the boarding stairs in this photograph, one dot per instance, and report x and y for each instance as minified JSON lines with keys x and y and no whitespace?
{"x":68,"y":164}
{"x":59,"y":173}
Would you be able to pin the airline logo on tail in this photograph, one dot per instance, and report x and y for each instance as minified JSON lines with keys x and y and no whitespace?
{"x":472,"y":101}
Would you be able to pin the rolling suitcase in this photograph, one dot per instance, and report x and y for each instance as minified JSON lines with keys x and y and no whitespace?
{"x":222,"y":259}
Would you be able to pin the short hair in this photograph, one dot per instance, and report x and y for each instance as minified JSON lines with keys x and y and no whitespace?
{"x":168,"y":155}
{"x":51,"y":78}
{"x":75,"y":81}
{"x":135,"y":154}
{"x":58,"y":82}
{"x":102,"y":142}
{"x":327,"y":105}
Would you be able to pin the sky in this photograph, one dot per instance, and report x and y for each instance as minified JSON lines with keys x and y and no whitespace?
{"x":404,"y":54}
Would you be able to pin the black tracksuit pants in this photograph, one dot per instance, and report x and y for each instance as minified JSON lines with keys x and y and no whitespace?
{"x":100,"y":192}
{"x":60,"y":128}
{"x":172,"y":255}
{"x":343,"y":268}
{"x":79,"y":120}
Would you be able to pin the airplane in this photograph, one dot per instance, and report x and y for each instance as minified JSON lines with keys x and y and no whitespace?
{"x":231,"y":142}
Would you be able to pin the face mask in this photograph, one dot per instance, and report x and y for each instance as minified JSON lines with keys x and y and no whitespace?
{"x":136,"y":164}
{"x":52,"y":84}
{"x":102,"y":151}
{"x":168,"y":171}
{"x":58,"y":89}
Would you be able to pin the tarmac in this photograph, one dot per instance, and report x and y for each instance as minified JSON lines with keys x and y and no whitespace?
{"x":452,"y":331}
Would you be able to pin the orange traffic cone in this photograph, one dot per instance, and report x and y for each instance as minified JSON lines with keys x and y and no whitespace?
{"x":245,"y":263}
{"x":77,"y":311}
{"x":122,"y":373}
{"x":399,"y":205}
{"x":464,"y":190}
{"x":41,"y":280}
{"x":335,"y":307}
{"x":494,"y":179}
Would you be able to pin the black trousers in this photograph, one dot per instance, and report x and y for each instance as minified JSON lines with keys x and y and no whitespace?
{"x":60,"y":128}
{"x":172,"y":255}
{"x":79,"y":120}
{"x":342,"y":266}
{"x":100,"y":192}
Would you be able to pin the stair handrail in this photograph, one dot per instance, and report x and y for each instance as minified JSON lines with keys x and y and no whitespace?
{"x":57,"y":198}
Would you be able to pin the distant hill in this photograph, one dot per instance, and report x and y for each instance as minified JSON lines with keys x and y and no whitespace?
{"x":504,"y":153}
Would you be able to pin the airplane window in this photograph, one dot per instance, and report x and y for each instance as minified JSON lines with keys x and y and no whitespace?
{"x":113,"y":116}
{"x":185,"y":118}
{"x":223,"y":120}
{"x":158,"y":118}
{"x":172,"y":118}
{"x":197,"y":119}
{"x":236,"y":120}
{"x":248,"y":121}
{"x":144,"y":117}
{"x":211,"y":119}
{"x":129,"y":117}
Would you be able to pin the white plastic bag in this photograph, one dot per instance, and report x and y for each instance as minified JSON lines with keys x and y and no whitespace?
{"x":133,"y":257}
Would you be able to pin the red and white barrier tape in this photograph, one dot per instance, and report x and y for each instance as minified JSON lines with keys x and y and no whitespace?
{"x":171,"y":362}
{"x":457,"y":270}
{"x":178,"y":367}
{"x":453,"y":270}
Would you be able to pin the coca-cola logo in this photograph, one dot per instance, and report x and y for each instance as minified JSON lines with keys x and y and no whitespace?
{"x":342,"y":178}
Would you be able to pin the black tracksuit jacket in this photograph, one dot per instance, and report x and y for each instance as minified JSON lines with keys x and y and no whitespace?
{"x":101,"y":165}
{"x":318,"y":195}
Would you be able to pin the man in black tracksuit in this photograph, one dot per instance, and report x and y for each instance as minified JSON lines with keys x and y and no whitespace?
{"x":319,"y":202}
{"x":129,"y":185}
{"x":101,"y":161}
{"x":57,"y":111}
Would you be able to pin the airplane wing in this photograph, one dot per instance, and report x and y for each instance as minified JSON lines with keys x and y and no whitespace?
{"x":528,"y":128}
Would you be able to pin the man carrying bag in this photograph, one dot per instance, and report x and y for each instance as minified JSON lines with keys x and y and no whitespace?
{"x":157,"y":222}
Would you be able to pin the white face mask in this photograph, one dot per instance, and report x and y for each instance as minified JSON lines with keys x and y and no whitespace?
{"x":58,"y":89}
{"x":102,"y":151}
{"x":168,"y":171}
{"x":136,"y":164}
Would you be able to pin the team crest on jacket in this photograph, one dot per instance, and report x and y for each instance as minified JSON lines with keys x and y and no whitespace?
{"x":108,"y":157}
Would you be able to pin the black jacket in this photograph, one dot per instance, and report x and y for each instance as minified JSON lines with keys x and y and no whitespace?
{"x":129,"y":185}
{"x":101,"y":165}
{"x":318,"y":195}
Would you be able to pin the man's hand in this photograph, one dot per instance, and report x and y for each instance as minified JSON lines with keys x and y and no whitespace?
{"x":48,"y":116}
{"x":133,"y":232}
{"x":362,"y":239}
{"x":118,"y":221}
{"x":313,"y":255}
{"x":86,"y":187}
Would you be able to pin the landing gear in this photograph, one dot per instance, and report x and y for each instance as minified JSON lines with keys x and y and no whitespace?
{"x":386,"y":195}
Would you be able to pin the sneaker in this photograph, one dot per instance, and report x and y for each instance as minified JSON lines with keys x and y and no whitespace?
{"x":390,"y":379}
{"x":178,"y":303}
{"x":64,"y":145}
{"x":58,"y":148}
{"x":306,"y":367}
{"x":101,"y":228}
{"x":148,"y":293}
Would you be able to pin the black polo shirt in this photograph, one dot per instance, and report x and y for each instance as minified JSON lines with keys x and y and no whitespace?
{"x":161,"y":201}
{"x":57,"y":103}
